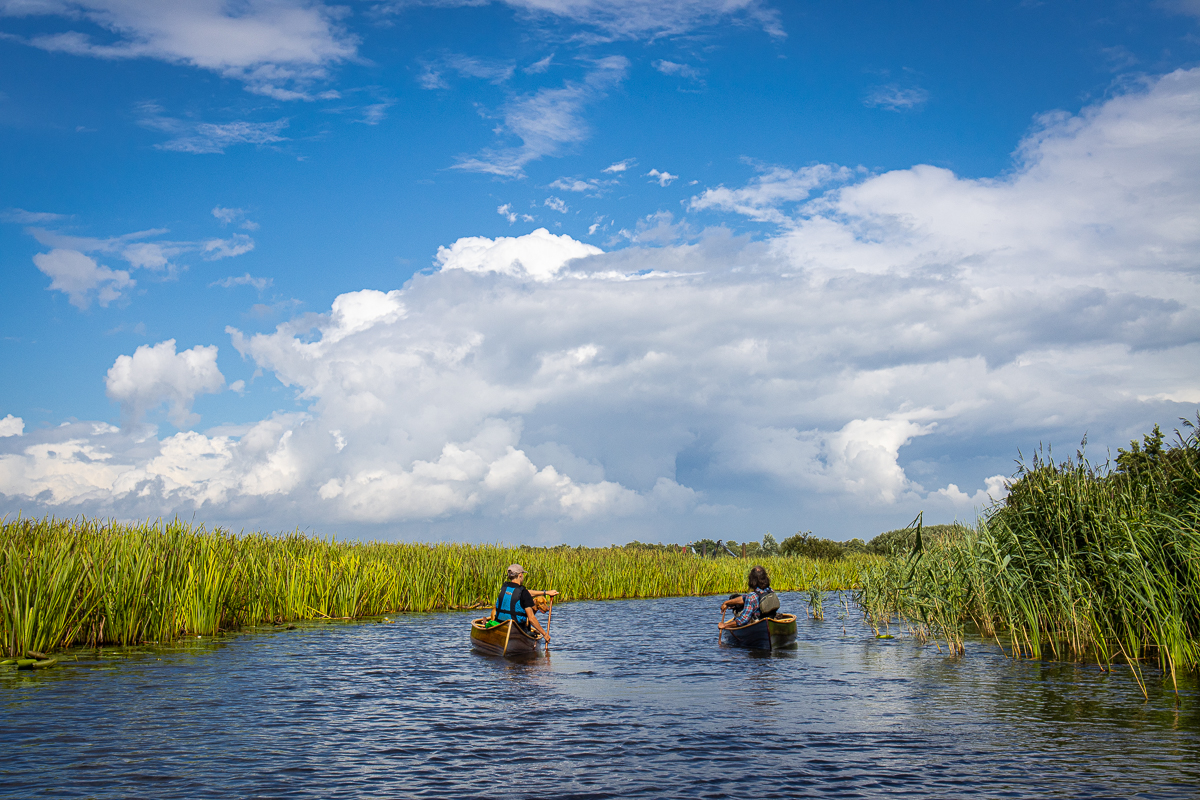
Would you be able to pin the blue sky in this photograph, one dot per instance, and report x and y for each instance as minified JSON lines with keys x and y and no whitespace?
{"x":562,"y":270}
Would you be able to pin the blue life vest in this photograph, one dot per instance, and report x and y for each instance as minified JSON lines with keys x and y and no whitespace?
{"x":508,"y":606}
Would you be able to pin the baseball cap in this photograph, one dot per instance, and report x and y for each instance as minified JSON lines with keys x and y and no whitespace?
{"x":516,"y":569}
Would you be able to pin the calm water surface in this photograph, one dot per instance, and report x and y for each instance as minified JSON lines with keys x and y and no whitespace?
{"x":635,"y":700}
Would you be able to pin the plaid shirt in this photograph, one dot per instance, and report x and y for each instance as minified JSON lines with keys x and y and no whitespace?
{"x":749,"y":611}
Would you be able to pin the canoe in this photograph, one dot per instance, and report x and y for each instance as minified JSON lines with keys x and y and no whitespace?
{"x":763,"y":634}
{"x":505,"y":639}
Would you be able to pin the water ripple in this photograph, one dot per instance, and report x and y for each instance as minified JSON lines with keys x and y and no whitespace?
{"x":632,"y":702}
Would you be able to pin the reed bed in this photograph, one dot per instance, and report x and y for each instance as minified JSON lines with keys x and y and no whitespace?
{"x":93,"y":582}
{"x":1079,"y":563}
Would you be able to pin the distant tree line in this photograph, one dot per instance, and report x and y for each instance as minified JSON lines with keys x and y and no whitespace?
{"x":805,"y":544}
{"x":802,"y":543}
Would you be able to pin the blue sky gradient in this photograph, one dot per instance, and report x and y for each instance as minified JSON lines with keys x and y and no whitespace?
{"x":766,"y":267}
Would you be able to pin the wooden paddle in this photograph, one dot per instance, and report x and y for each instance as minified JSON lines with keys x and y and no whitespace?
{"x":722,"y":622}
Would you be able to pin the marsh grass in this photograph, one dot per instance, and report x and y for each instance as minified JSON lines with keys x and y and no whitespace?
{"x":1078,"y":562}
{"x":84,"y":581}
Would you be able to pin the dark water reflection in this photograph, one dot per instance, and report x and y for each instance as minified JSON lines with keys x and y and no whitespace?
{"x":635,"y":700}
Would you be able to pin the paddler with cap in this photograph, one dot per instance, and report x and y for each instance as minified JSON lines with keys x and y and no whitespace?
{"x":515,"y":601}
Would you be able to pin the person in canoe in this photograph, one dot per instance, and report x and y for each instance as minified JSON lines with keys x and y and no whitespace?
{"x":759,"y":602}
{"x":515,"y":602}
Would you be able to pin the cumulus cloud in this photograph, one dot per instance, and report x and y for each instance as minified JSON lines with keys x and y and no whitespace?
{"x":81,"y":278}
{"x":539,"y":255}
{"x":620,"y":166}
{"x":886,"y":350}
{"x":556,"y":204}
{"x":662,"y":178}
{"x":11,"y":426}
{"x":277,"y":48}
{"x":547,"y":120}
{"x":156,"y":374}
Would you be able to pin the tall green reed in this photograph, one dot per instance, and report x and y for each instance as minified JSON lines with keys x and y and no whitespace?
{"x":94,"y":582}
{"x":1078,"y":562}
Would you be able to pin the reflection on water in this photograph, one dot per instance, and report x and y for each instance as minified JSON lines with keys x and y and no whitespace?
{"x":635,"y":698}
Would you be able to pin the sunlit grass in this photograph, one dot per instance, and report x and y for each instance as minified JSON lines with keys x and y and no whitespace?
{"x":94,"y":582}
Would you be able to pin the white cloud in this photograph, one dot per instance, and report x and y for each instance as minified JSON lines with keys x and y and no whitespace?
{"x":229,"y":216}
{"x":539,"y":66}
{"x":673,"y":68}
{"x":1189,"y":8}
{"x":79,"y":276}
{"x":539,"y":255}
{"x":897,"y":98}
{"x":278,"y":48}
{"x":236,"y":245}
{"x":658,"y":228}
{"x":245,"y":280}
{"x":547,"y":120}
{"x":507,"y":212}
{"x":556,"y":204}
{"x":155,"y":256}
{"x":491,"y":70}
{"x":860,"y":459}
{"x":886,"y":351}
{"x":154,"y":375}
{"x":207,"y":137}
{"x":995,"y":489}
{"x":663,"y":178}
{"x":630,"y":19}
{"x":773,"y":187}
{"x":23,"y":217}
{"x":620,"y":166}
{"x":575,"y":185}
{"x":83,"y":279}
{"x":11,"y":426}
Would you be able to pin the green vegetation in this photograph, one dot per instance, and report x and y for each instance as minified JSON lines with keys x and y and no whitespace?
{"x":1078,"y":562}
{"x":66,"y":582}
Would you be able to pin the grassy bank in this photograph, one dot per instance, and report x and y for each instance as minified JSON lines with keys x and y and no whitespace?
{"x":1078,"y":562}
{"x":65,"y":582}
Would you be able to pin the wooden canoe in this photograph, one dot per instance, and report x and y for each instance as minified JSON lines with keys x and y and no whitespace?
{"x":505,"y":639}
{"x":764,"y":633}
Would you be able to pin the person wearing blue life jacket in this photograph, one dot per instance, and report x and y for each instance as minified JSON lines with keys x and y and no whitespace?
{"x":759,"y":602}
{"x":516,"y":602}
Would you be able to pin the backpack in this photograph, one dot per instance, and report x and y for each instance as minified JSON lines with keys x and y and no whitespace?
{"x":768,"y":604}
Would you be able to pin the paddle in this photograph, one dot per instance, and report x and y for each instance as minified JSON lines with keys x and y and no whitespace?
{"x":549,"y":616}
{"x":722,"y":622}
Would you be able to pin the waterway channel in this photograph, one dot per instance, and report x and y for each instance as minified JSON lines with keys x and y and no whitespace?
{"x":635,"y":699}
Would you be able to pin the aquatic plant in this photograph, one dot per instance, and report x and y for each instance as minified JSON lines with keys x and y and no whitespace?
{"x":87,"y":581}
{"x":1078,"y":562}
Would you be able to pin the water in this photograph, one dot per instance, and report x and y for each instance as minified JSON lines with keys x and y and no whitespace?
{"x":635,"y":700}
